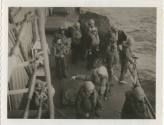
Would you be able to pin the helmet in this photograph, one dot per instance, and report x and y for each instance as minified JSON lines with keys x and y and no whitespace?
{"x":139,"y":93}
{"x":89,"y":85}
{"x":91,"y":22}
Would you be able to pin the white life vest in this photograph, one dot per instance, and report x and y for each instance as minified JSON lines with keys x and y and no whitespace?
{"x":102,"y":74}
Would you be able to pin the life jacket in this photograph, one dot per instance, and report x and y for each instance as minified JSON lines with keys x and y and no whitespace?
{"x":93,"y":33}
{"x":59,"y":50}
{"x":76,"y":35}
{"x":102,"y":71}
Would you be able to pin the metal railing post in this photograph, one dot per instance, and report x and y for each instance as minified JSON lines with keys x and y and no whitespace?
{"x":41,"y":29}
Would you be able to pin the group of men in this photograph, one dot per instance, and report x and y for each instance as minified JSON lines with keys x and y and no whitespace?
{"x":97,"y":84}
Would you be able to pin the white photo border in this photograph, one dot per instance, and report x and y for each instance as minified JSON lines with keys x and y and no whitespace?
{"x":80,"y":3}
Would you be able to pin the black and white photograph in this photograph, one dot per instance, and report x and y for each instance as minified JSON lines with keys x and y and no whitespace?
{"x":81,"y":63}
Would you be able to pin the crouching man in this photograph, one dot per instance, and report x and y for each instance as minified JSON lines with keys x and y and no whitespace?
{"x":87,"y":103}
{"x":99,"y":77}
{"x":135,"y":106}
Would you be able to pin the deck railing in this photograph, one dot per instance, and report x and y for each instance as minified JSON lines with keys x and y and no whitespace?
{"x":40,"y":18}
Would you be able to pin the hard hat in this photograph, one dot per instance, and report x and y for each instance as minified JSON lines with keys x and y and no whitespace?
{"x":139,"y":93}
{"x":102,"y":71}
{"x":91,"y":21}
{"x":89,"y":85}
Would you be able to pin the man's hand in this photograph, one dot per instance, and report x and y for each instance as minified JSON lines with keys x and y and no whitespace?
{"x":73,"y":77}
{"x":62,"y":56}
{"x":87,"y":115}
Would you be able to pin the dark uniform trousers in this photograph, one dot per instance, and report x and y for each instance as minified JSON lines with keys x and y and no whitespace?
{"x":60,"y":67}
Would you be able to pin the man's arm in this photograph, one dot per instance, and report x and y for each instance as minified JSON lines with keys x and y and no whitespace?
{"x":81,"y":77}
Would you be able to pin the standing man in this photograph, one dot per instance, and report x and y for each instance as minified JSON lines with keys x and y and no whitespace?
{"x":126,"y":58}
{"x":62,"y":51}
{"x":112,"y":52}
{"x":76,"y":42}
{"x":122,"y":36}
{"x":93,"y":50}
{"x":60,"y":59}
{"x":66,"y":45}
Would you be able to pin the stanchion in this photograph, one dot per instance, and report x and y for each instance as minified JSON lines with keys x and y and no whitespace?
{"x":31,"y":92}
{"x":41,"y":29}
{"x":136,"y":78}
